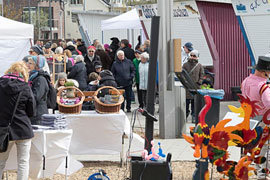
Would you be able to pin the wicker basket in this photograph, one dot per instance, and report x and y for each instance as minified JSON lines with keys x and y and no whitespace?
{"x":108,"y":108}
{"x":70,"y":109}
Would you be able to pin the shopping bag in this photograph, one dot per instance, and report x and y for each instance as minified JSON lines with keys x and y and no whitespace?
{"x":4,"y":139}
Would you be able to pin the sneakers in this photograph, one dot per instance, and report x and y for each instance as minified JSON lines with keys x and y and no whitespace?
{"x":128,"y":110}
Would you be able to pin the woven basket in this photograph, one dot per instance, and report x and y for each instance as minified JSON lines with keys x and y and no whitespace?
{"x":108,"y":108}
{"x":70,"y":109}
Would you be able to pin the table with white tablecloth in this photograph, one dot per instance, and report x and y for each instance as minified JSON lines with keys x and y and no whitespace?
{"x":49,"y":154}
{"x":95,"y":133}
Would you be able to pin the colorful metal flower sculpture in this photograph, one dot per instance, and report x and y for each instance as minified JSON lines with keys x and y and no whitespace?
{"x":201,"y":132}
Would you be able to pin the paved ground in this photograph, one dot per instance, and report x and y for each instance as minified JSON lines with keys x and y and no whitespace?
{"x":180,"y":149}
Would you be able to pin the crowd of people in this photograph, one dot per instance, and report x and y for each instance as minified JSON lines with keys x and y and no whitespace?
{"x":48,"y":67}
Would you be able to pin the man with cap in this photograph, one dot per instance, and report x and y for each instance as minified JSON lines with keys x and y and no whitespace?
{"x":196,"y":72}
{"x":257,"y":89}
{"x":37,"y":51}
{"x":186,"y":49}
{"x":90,"y":59}
{"x":48,"y":53}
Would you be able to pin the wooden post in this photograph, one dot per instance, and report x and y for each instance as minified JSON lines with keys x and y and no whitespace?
{"x":53,"y":78}
{"x":65,"y":64}
{"x":177,"y":55}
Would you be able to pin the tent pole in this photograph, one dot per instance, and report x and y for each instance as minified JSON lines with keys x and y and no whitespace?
{"x":102,"y":34}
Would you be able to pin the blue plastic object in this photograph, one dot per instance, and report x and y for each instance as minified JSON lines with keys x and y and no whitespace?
{"x":101,"y":175}
{"x":160,"y":153}
{"x":218,"y":94}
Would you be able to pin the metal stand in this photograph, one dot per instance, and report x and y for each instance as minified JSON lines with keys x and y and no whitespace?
{"x":43,"y":168}
{"x":66,"y":168}
{"x":122,"y":152}
{"x":150,"y":97}
{"x":201,"y":169}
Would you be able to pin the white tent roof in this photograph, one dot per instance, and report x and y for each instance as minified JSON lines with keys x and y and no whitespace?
{"x":10,"y":29}
{"x":128,"y":20}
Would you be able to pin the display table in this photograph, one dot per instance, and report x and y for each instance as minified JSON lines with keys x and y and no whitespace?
{"x":95,"y":133}
{"x":49,"y":154}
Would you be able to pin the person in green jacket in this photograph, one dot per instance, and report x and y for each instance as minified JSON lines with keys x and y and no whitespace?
{"x":136,"y":62}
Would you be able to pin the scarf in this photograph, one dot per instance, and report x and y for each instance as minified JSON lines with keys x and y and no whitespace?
{"x":33,"y":75}
{"x":14,"y":75}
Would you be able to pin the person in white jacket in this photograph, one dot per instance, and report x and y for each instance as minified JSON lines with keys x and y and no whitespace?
{"x":143,"y":73}
{"x":185,"y":50}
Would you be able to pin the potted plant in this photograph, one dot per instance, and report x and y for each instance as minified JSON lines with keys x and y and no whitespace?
{"x":70,"y":91}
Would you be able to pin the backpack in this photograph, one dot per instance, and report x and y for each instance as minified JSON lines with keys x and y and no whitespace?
{"x":51,"y":96}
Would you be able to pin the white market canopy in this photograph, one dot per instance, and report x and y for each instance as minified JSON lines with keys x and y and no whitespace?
{"x":128,"y":20}
{"x":10,"y":29}
{"x":15,"y":41}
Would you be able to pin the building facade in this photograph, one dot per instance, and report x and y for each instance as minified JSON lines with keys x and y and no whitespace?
{"x":71,"y":25}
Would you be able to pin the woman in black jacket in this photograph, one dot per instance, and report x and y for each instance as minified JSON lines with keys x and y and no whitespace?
{"x":78,"y":72}
{"x":107,"y":79}
{"x":20,"y":133}
{"x":38,"y":82}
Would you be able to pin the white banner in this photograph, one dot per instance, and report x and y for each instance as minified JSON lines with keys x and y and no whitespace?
{"x":180,"y":10}
{"x":185,"y":9}
{"x":251,"y":7}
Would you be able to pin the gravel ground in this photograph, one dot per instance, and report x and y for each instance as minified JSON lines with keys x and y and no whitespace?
{"x":181,"y":171}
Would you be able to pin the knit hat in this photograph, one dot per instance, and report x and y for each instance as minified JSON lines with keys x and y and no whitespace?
{"x":189,"y":46}
{"x":39,"y":60}
{"x":62,"y":75}
{"x":106,"y":46}
{"x":105,"y":72}
{"x":37,"y":49}
{"x":92,"y":47}
{"x":25,"y":59}
{"x":47,"y":46}
{"x":263,"y":63}
{"x":195,"y":52}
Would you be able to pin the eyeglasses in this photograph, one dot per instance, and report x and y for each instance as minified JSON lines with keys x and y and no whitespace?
{"x":193,"y":55}
{"x":91,"y":51}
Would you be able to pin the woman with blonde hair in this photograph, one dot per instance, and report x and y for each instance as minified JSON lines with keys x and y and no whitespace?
{"x":14,"y":88}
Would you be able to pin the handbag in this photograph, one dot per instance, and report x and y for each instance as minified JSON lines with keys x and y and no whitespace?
{"x":4,"y":131}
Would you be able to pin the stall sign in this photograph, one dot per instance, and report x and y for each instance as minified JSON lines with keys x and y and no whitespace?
{"x":180,"y":10}
{"x":251,"y":7}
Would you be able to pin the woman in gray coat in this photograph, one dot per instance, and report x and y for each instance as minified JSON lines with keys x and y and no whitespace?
{"x":38,"y":82}
{"x":196,"y":72}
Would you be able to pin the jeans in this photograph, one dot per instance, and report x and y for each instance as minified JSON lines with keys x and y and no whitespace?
{"x":144,"y":92}
{"x":23,"y":156}
{"x":127,"y":97}
{"x":140,"y":100}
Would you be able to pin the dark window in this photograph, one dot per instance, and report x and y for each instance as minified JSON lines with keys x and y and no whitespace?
{"x":55,"y":35}
{"x":46,"y":35}
{"x":76,"y":1}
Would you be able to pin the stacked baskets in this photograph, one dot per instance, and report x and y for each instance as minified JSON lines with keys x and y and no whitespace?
{"x":108,"y":108}
{"x":70,"y":109}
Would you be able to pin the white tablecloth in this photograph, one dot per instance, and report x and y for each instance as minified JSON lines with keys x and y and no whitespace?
{"x":95,"y":133}
{"x":54,"y":146}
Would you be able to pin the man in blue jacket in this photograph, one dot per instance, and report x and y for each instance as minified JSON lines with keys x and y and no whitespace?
{"x":124,"y":72}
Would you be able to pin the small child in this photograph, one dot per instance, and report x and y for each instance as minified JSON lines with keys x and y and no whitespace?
{"x":206,"y":84}
{"x":94,"y":82}
{"x":60,"y":83}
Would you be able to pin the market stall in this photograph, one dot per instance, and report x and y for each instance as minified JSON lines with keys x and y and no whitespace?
{"x":49,"y":154}
{"x":15,"y":41}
